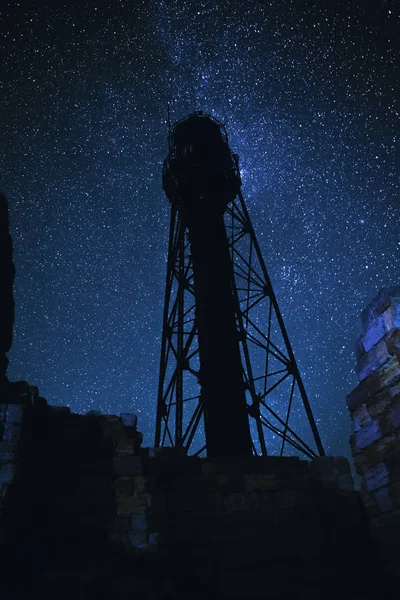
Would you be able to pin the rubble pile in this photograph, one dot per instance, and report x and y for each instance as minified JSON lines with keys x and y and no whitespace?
{"x":375,"y":413}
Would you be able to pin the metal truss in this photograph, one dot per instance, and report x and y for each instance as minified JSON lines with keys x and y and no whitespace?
{"x":281,"y":421}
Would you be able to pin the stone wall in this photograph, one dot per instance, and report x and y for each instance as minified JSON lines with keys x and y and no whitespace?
{"x":89,"y":513}
{"x":375,"y":414}
{"x":273,"y":527}
{"x":14,"y":400}
{"x":162,"y":494}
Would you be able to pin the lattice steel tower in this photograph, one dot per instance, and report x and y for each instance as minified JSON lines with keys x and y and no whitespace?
{"x":227,"y":371}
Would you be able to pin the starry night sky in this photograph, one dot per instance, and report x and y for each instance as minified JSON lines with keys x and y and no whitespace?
{"x":307,"y":91}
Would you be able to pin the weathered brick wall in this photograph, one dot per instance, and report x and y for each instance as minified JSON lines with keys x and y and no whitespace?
{"x":164,"y":499}
{"x":278,"y":524}
{"x":14,"y":400}
{"x":375,"y":413}
{"x":92,"y":514}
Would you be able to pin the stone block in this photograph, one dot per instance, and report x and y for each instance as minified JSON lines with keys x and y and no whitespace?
{"x":7,"y":473}
{"x":125,"y":446}
{"x":359,"y":348}
{"x":360,"y":395}
{"x":158,"y":503}
{"x":376,"y":477}
{"x":176,"y":484}
{"x":213,"y":483}
{"x":394,"y":493}
{"x":116,"y":428}
{"x":186,"y":503}
{"x":322,"y":465}
{"x":137,"y":437}
{"x":345,"y":482}
{"x":287,"y":498}
{"x":138,"y":522}
{"x":389,"y":520}
{"x":60,"y":410}
{"x":393,"y":389}
{"x":365,"y":436}
{"x":8,"y":451}
{"x":153,"y":539}
{"x":361,"y":463}
{"x":265,"y":465}
{"x":266,"y":502}
{"x":360,"y":418}
{"x":383,"y":300}
{"x":389,"y":421}
{"x":3,"y":411}
{"x":129,"y":419}
{"x":111,"y":418}
{"x":371,"y":361}
{"x":105,"y":426}
{"x":383,"y":499}
{"x":127,"y":465}
{"x":157,"y":515}
{"x":12,"y":432}
{"x":393,"y":414}
{"x":393,"y":461}
{"x":214,"y":502}
{"x":143,"y":484}
{"x":379,"y":403}
{"x":341,"y":465}
{"x":381,"y":450}
{"x":137,"y":503}
{"x":328,"y":480}
{"x":370,"y":504}
{"x":123,"y":486}
{"x":138,"y":539}
{"x":373,"y":383}
{"x":239,"y":534}
{"x":172,"y":462}
{"x":121,"y":527}
{"x":390,"y":372}
{"x":208,"y":467}
{"x":392,"y":341}
{"x":386,"y":531}
{"x":377,"y":329}
{"x":246,"y":501}
{"x":260,"y":482}
{"x":15,"y":413}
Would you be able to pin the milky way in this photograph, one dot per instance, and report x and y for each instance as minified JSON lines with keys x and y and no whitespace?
{"x":307,"y":92}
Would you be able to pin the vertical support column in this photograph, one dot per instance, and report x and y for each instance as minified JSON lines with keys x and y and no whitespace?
{"x":221,"y":373}
{"x":375,"y":414}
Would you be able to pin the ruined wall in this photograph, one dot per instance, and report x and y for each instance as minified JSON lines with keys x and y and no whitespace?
{"x":375,"y":414}
{"x":90,"y":513}
{"x":15,"y":398}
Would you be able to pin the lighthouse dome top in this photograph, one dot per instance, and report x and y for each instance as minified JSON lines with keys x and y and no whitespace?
{"x":197,"y":129}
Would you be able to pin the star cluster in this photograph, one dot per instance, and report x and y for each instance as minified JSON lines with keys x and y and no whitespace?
{"x":307,"y":90}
